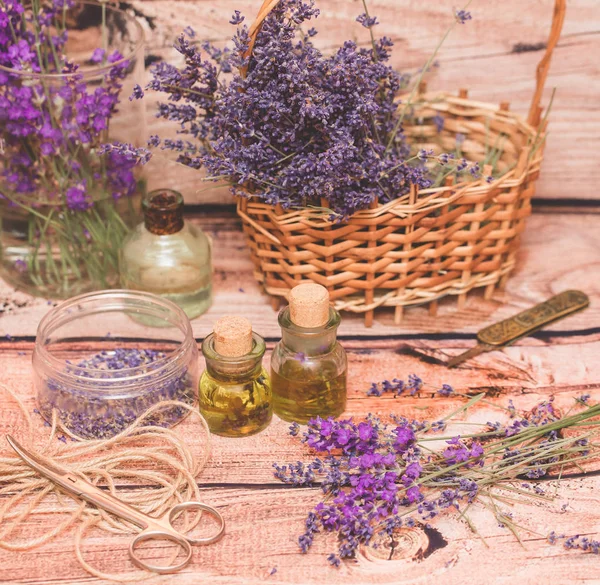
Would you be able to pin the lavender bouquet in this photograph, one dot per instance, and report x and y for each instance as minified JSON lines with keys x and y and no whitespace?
{"x":382,"y":477}
{"x":288,"y":124}
{"x":64,"y":186}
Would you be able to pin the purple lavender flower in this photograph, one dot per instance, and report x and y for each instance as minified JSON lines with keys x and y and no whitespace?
{"x":462,"y":16}
{"x":446,"y":390}
{"x":137,"y":94}
{"x":237,"y":18}
{"x":425,"y":154}
{"x":413,"y":494}
{"x":367,"y":21}
{"x":21,"y":265}
{"x":584,"y":399}
{"x":405,"y":437}
{"x":580,"y":542}
{"x":98,"y":56}
{"x":77,"y":198}
{"x":414,"y":384}
{"x":445,"y":157}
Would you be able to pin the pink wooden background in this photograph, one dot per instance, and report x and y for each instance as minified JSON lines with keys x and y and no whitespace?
{"x":494,"y":56}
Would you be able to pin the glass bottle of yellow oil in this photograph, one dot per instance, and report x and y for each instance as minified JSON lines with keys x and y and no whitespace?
{"x":235,"y":392}
{"x":308,"y":365}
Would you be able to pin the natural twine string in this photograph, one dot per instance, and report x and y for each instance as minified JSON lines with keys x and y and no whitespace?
{"x":140,"y":456}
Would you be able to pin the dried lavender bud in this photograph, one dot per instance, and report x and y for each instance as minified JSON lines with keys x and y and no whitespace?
{"x":97,"y":407}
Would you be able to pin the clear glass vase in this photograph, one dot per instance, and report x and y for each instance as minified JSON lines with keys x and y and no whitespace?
{"x":69,"y":163}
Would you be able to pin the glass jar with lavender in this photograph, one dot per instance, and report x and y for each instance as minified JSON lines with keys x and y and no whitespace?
{"x":70,"y":142}
{"x":97,"y":368}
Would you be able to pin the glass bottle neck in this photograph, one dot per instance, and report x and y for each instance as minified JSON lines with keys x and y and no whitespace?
{"x":310,"y":342}
{"x":163,"y":212}
{"x":239,"y":369}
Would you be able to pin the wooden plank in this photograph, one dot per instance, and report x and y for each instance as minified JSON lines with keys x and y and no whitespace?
{"x":528,"y":372}
{"x":489,"y":43}
{"x":265,"y":519}
{"x":543,"y":269}
{"x":495,"y":27}
{"x":262,"y":532}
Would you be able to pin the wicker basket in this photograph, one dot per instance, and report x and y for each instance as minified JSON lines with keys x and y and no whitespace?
{"x":425,"y":245}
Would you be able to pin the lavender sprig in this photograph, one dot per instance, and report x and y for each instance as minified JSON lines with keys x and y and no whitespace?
{"x":379,"y":476}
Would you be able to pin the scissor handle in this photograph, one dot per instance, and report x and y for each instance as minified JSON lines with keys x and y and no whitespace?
{"x":172,"y":513}
{"x":160,"y":535}
{"x":163,"y":532}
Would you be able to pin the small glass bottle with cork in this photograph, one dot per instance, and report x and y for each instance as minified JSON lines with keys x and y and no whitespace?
{"x":168,"y":257}
{"x":308,"y":365}
{"x":235,"y":392}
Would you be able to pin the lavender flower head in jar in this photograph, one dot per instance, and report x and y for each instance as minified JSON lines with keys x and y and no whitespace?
{"x":99,"y":384}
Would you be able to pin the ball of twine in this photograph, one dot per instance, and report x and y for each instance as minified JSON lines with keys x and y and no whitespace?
{"x":141,"y":455}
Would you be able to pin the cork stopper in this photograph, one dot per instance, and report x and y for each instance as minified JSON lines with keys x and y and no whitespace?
{"x":163,"y":212}
{"x":309,"y":305}
{"x":233,"y":336}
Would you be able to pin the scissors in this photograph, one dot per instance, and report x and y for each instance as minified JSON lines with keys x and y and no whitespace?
{"x":152,"y":528}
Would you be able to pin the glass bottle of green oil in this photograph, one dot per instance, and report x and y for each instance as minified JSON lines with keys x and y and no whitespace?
{"x":235,"y":392}
{"x":308,"y":365}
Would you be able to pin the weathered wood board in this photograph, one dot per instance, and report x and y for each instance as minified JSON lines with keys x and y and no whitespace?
{"x":494,"y":55}
{"x":264,"y":517}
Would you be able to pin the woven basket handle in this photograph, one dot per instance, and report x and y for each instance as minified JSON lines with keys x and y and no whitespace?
{"x":560,"y":7}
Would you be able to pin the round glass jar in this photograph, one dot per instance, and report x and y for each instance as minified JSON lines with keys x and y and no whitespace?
{"x":100,"y":368}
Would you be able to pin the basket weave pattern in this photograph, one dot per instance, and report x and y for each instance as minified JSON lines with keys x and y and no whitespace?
{"x":425,"y":245}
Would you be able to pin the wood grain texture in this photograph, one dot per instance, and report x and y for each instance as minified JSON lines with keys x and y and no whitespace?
{"x":543,"y":269}
{"x":559,"y":251}
{"x":264,"y":518}
{"x":493,"y":55}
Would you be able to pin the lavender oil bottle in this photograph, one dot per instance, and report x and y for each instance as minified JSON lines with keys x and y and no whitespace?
{"x":235,"y":392}
{"x":308,"y":365}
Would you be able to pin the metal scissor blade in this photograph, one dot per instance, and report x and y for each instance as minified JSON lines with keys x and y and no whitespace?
{"x":80,"y":488}
{"x":59,"y":475}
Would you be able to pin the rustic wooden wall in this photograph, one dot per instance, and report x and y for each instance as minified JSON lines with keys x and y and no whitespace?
{"x":494,"y":55}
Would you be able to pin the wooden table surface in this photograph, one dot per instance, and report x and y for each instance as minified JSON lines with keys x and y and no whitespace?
{"x":264,"y":518}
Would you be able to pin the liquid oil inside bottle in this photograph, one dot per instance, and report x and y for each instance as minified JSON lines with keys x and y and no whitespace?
{"x":304,"y":392}
{"x":236,"y":409}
